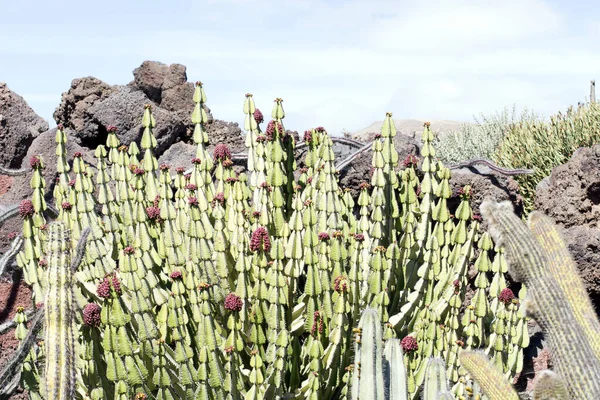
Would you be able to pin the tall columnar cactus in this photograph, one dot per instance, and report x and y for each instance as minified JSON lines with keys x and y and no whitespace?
{"x":59,"y":306}
{"x":556,"y":300}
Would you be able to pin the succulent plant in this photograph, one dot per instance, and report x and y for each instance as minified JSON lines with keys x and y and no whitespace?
{"x":205,"y":283}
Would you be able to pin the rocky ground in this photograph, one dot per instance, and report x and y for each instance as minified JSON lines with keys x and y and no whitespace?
{"x":570,"y":195}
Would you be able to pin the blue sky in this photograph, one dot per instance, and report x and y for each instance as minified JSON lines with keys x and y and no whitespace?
{"x":339,"y":64}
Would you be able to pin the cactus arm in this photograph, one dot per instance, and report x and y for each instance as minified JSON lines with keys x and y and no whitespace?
{"x":368,"y":367}
{"x":60,"y":373}
{"x":572,"y":351}
{"x":491,"y":380}
{"x":12,"y":368}
{"x":549,"y":386}
{"x":394,"y":371}
{"x":435,"y":379}
{"x":563,"y":269}
{"x":80,"y":250}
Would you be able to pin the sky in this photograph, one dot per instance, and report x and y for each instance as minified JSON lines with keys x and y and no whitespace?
{"x":338,"y":64}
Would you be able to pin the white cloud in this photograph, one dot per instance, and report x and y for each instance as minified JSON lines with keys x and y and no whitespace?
{"x":344,"y":64}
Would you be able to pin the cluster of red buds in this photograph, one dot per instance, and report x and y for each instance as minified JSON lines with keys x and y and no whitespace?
{"x":219,"y":198}
{"x":153,"y":212}
{"x":340,"y":284}
{"x":175,"y":275}
{"x":409,"y":344}
{"x":464,"y":194}
{"x":260,"y":240}
{"x":319,"y":129}
{"x":221,"y":152}
{"x":364,"y":186}
{"x":191,"y":186}
{"x":26,"y":208}
{"x":164,"y":167}
{"x":506,"y":296}
{"x":411,"y":161}
{"x":233,"y":302}
{"x":109,"y":282}
{"x":35,"y":162}
{"x":258,"y":116}
{"x":193,"y":201}
{"x":129,"y":250}
{"x":180,"y":170}
{"x":359,"y":237}
{"x":317,"y":325}
{"x":323,"y":236}
{"x":308,"y":136}
{"x":272,"y":128}
{"x":12,"y":235}
{"x":261,"y":138}
{"x":91,"y":315}
{"x":66,"y":206}
{"x":111,"y":129}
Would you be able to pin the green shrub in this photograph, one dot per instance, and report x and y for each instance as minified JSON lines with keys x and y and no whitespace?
{"x":481,"y":139}
{"x":543,"y":146}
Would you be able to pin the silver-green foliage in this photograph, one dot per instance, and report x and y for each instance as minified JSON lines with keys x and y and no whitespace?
{"x":480,"y":139}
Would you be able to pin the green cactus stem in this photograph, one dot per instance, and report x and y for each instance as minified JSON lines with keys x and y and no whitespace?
{"x":11,"y":372}
{"x":493,"y":382}
{"x":568,"y":321}
{"x":60,"y":373}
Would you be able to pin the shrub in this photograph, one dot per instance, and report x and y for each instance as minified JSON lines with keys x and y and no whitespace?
{"x":481,"y":139}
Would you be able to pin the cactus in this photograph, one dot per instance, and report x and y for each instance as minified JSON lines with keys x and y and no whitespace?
{"x":379,"y":367}
{"x":229,"y":286}
{"x":59,"y":324}
{"x":556,"y":300}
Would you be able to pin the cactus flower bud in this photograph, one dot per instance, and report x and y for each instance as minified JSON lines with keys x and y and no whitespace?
{"x":26,"y":208}
{"x":258,"y":116}
{"x":66,"y":205}
{"x":175,"y":275}
{"x":193,"y":201}
{"x":410,"y":161}
{"x":323,"y":236}
{"x":320,"y":129}
{"x":111,"y":129}
{"x":506,"y":296}
{"x":91,"y":315}
{"x":153,"y":212}
{"x":233,"y":302}
{"x":409,"y":344}
{"x":109,"y":282}
{"x":340,"y":284}
{"x":35,"y":162}
{"x":220,"y":198}
{"x":164,"y":167}
{"x":221,"y":152}
{"x":12,"y":235}
{"x":260,"y":240}
{"x":180,"y":170}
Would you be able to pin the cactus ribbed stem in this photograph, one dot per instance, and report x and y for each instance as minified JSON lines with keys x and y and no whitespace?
{"x":60,"y":374}
{"x":493,"y":382}
{"x":537,"y":265}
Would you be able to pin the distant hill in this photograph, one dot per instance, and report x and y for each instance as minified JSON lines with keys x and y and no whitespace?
{"x":406,"y":127}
